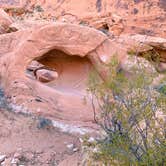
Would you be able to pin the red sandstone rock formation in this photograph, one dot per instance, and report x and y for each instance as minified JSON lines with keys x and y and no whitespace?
{"x":23,"y":47}
{"x":86,"y":36}
{"x":5,"y":22}
{"x":146,"y":17}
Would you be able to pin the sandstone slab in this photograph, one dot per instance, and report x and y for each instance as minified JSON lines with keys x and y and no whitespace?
{"x":45,"y":75}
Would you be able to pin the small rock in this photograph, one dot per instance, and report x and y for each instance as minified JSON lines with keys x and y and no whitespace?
{"x":104,"y":59}
{"x":1,"y":93}
{"x":6,"y":162}
{"x":91,"y":140}
{"x":14,"y":161}
{"x":44,"y":75}
{"x":75,"y":149}
{"x":14,"y":164}
{"x":2,"y":158}
{"x":41,"y":151}
{"x":161,"y":67}
{"x":70,"y":146}
{"x":17,"y":155}
{"x":5,"y":21}
{"x":81,"y":140}
{"x":3,"y":163}
{"x":161,"y":88}
{"x":44,"y":123}
{"x":34,"y":65}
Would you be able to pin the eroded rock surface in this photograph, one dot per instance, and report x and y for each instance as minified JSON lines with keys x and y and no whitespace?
{"x":34,"y":65}
{"x":47,"y":51}
{"x":116,"y":16}
{"x":5,"y":22}
{"x":93,"y":37}
{"x":45,"y":75}
{"x":28,"y":45}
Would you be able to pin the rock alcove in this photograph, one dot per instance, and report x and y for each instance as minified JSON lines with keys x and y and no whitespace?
{"x":69,"y":50}
{"x":65,"y":73}
{"x":66,"y":49}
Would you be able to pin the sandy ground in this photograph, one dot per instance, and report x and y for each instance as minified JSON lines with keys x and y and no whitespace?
{"x":25,"y":142}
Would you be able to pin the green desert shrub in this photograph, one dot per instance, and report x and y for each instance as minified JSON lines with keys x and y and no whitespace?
{"x":131,"y":112}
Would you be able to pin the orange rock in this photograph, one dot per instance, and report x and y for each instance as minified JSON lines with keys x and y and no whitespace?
{"x":80,"y":36}
{"x":45,"y":75}
{"x":34,"y":65}
{"x":143,"y":17}
{"x":5,"y":21}
{"x":19,"y":49}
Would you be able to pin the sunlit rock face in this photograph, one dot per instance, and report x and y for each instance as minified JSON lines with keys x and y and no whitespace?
{"x":116,"y":16}
{"x":58,"y":90}
{"x":45,"y":65}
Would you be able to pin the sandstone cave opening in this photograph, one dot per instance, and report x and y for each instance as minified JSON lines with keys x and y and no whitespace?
{"x":71,"y":72}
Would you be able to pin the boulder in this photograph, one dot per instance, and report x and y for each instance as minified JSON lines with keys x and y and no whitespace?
{"x":161,"y":67}
{"x":2,"y":158}
{"x":34,"y":65}
{"x":45,"y":75}
{"x":19,"y":49}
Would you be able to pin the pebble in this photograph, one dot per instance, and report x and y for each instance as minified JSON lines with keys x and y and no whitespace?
{"x":75,"y":149}
{"x":17,"y":155}
{"x":14,"y":165}
{"x":70,"y":146}
{"x":2,"y":158}
{"x":14,"y":161}
{"x":81,"y":140}
{"x":91,"y":140}
{"x":95,"y":150}
{"x":6,"y":162}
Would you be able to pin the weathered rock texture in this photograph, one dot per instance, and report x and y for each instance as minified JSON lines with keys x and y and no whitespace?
{"x":45,"y":75}
{"x":5,"y":21}
{"x":90,"y":35}
{"x":147,"y":17}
